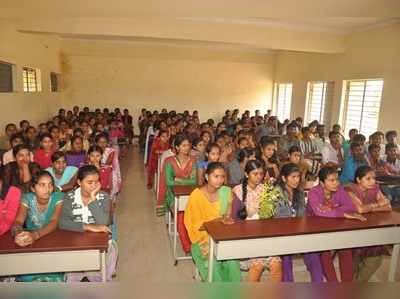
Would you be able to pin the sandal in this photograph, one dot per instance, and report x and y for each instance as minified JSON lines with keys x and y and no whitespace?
{"x":160,"y":211}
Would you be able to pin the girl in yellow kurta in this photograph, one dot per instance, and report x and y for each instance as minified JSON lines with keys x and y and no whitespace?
{"x":207,"y":203}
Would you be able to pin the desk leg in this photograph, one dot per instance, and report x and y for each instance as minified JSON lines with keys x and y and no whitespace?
{"x":175,"y":236}
{"x":211,"y":260}
{"x":103,"y":266}
{"x":394,"y":262}
{"x":155,"y":183}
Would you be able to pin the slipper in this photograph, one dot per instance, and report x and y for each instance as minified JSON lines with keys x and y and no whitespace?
{"x":160,"y":211}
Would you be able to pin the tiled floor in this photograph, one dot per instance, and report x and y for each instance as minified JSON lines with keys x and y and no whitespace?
{"x":145,"y":252}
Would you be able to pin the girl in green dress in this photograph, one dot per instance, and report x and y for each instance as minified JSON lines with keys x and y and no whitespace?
{"x":179,"y":169}
{"x":207,"y":203}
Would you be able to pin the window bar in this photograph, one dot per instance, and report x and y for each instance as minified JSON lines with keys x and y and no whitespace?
{"x":362,"y":105}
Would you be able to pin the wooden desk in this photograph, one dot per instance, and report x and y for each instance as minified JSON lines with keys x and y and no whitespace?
{"x":180,"y":202}
{"x":282,"y":236}
{"x":388,"y":180}
{"x":61,"y":251}
{"x":183,"y":190}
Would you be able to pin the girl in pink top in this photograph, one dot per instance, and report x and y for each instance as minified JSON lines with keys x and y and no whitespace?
{"x":329,"y":199}
{"x":9,"y":203}
{"x":115,"y":132}
{"x":367,"y":198}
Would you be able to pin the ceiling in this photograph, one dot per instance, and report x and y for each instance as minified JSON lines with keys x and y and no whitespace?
{"x":335,"y":25}
{"x":167,"y":42}
{"x":298,"y":25}
{"x":199,"y":8}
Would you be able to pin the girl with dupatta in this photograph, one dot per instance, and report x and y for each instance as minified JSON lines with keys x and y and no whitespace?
{"x":110,"y":157}
{"x":207,"y":203}
{"x":329,"y":199}
{"x":286,"y":199}
{"x":367,"y":198}
{"x":179,"y":169}
{"x":160,"y":145}
{"x":246,"y":206}
{"x":37,"y":217}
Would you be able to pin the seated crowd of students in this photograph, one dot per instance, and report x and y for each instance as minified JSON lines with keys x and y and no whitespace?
{"x":270,"y":166}
{"x":64,"y":174}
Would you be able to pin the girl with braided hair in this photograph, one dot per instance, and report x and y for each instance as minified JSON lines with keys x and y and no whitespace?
{"x":246,"y":205}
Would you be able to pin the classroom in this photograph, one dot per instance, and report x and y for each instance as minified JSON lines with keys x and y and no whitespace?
{"x":199,"y":142}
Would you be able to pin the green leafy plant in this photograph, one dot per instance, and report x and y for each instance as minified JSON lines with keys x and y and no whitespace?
{"x":269,"y":198}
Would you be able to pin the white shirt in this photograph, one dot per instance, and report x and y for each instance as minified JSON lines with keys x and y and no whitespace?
{"x":395,"y":166}
{"x":150,"y":131}
{"x":79,"y":209}
{"x":320,"y":143}
{"x":329,"y":154}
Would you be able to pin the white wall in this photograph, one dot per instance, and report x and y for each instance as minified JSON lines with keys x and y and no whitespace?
{"x":180,"y":76}
{"x":38,"y":51}
{"x":113,"y":74}
{"x":370,"y":54}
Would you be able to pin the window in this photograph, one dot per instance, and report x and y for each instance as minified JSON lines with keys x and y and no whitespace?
{"x":319,"y":98}
{"x":6,"y":79}
{"x":31,"y":79}
{"x":283,"y":96}
{"x":54,"y":82}
{"x":362,"y":102}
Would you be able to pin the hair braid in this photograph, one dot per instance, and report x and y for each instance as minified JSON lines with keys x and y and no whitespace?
{"x":243,"y":210}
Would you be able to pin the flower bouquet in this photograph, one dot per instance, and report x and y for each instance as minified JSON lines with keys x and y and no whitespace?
{"x":269,"y":198}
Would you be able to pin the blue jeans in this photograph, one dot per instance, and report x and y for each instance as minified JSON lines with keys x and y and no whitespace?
{"x":392,"y":193}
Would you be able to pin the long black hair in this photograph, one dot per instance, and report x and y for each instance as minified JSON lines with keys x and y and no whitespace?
{"x":42,"y":173}
{"x":287,"y":170}
{"x":361,"y":172}
{"x":195,"y":141}
{"x":95,"y":148}
{"x":179,"y":139}
{"x":209,"y":149}
{"x":250,"y":166}
{"x":264,"y":142}
{"x":102,"y":135}
{"x":325,"y":172}
{"x":4,"y":186}
{"x":75,"y":137}
{"x":244,"y":153}
{"x":57,"y":155}
{"x":16,"y":149}
{"x":86,"y":170}
{"x":214,"y":166}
